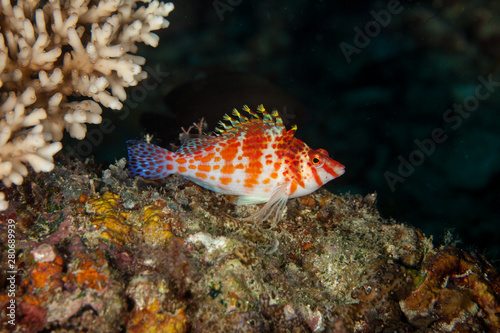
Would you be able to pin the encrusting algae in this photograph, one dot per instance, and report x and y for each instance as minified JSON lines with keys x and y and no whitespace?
{"x":455,"y":284}
{"x":109,"y":218}
{"x":154,"y":319}
{"x":155,"y":226}
{"x":117,"y":226}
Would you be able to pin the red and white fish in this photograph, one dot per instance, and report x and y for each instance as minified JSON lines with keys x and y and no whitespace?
{"x":253,"y":158}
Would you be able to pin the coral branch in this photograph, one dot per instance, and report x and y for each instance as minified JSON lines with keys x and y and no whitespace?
{"x":50,"y":50}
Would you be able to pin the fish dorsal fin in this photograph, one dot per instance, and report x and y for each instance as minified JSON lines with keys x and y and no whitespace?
{"x":240,"y":123}
{"x":290,"y":134}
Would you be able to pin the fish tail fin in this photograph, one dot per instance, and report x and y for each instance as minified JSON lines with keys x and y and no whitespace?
{"x":148,"y":160}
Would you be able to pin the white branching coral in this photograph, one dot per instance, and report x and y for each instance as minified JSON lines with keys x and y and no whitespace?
{"x":60,"y":60}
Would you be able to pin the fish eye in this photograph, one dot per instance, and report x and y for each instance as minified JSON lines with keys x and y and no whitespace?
{"x":316,"y":160}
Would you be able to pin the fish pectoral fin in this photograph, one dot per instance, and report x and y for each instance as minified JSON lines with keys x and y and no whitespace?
{"x":274,"y":206}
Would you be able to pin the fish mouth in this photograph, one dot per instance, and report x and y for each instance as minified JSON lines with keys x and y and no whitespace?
{"x":334,"y":168}
{"x":339,"y":169}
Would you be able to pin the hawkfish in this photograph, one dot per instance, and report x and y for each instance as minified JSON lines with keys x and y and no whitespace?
{"x":253,"y":157}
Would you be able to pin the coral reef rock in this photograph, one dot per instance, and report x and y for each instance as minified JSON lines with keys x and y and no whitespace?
{"x":105,"y":252}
